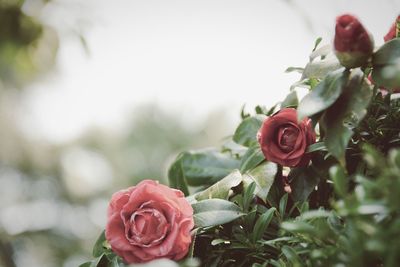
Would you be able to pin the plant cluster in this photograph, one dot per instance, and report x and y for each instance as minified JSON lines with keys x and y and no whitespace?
{"x":310,"y":182}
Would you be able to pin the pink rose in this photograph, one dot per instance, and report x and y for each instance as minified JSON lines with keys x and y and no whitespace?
{"x":353,"y":44}
{"x":149,"y":221}
{"x":392,"y":32}
{"x":283,"y":140}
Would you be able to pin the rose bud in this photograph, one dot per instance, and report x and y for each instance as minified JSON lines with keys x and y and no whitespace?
{"x":392,"y":32}
{"x":149,"y":221}
{"x":284,"y":140}
{"x":353,"y":44}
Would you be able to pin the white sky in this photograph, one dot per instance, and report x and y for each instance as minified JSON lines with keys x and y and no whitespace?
{"x":188,"y":56}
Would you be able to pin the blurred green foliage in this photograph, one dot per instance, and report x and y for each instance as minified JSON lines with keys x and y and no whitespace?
{"x":53,"y":198}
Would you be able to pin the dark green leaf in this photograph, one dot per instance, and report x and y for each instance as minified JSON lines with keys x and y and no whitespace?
{"x":347,"y":112}
{"x":323,"y":95}
{"x":339,"y":180}
{"x":211,"y":212}
{"x":302,"y":182}
{"x":282,"y":205}
{"x":246,"y":132}
{"x":248,"y":195}
{"x":262,"y":224}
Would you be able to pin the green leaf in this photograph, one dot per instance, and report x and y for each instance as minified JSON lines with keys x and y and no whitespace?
{"x":314,"y":214}
{"x":203,"y":167}
{"x":248,"y":195}
{"x":323,"y":95}
{"x":317,"y":42}
{"x":291,"y":255}
{"x":282,"y":205}
{"x":294,"y":69}
{"x":386,"y":64}
{"x":322,"y":52}
{"x":263,"y":176}
{"x":347,"y":112}
{"x":218,"y":241}
{"x":262,"y":224}
{"x":321,"y":68}
{"x":221,"y":189}
{"x":320,"y":146}
{"x":98,"y":262}
{"x":339,"y":180}
{"x":252,"y":158}
{"x":100,"y":245}
{"x":291,"y":100}
{"x":298,"y":227}
{"x":114,"y":262}
{"x":246,"y":132}
{"x":303,"y":182}
{"x":176,"y":175}
{"x":211,"y":212}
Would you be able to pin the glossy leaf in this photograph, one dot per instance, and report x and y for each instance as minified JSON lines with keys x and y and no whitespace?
{"x":248,"y":195}
{"x":323,"y":95}
{"x":262,"y":224}
{"x":202,"y":167}
{"x":321,"y":68}
{"x":221,"y":189}
{"x":302,"y":182}
{"x":246,"y":132}
{"x":263,"y":176}
{"x":252,"y":158}
{"x":347,"y":112}
{"x":211,"y":212}
{"x":282,"y":205}
{"x":320,"y":146}
{"x":386,"y":64}
{"x":176,"y":175}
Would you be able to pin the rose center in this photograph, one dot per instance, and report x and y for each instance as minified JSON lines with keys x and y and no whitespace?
{"x":287,"y":137}
{"x":147,"y":227}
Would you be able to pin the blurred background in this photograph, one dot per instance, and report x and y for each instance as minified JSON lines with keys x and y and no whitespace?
{"x":96,"y":95}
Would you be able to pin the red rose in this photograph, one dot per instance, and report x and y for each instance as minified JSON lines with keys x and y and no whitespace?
{"x":283,"y":140}
{"x":392,"y":32}
{"x":353,"y":44}
{"x":149,"y":221}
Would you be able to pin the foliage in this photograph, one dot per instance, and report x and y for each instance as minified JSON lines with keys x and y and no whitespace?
{"x":340,"y":210}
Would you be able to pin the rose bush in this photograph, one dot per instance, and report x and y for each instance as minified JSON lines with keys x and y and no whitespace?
{"x":257,"y":200}
{"x":284,"y":140}
{"x":353,"y":44}
{"x":149,"y":221}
